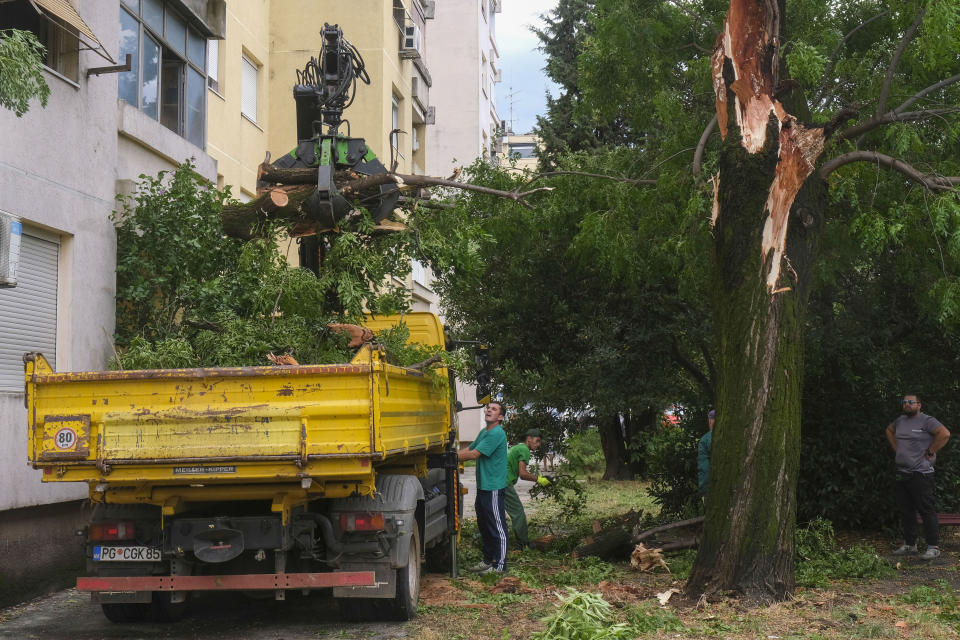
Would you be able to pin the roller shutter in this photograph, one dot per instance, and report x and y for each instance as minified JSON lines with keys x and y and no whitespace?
{"x":28,"y":312}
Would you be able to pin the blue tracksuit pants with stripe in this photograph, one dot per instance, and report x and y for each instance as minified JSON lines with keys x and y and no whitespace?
{"x":492,"y":521}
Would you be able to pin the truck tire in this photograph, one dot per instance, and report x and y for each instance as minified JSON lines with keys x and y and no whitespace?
{"x":404,"y":604}
{"x":160,"y":610}
{"x":127,"y":612}
{"x":408,"y":583}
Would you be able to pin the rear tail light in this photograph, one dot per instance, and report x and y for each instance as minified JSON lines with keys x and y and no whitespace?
{"x":112,"y":531}
{"x":362,"y":522}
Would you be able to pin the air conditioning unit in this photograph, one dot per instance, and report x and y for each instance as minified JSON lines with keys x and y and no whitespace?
{"x":431,"y":116}
{"x":412,"y":42}
{"x":498,"y":75}
{"x":11,"y":229}
{"x":430,"y":9}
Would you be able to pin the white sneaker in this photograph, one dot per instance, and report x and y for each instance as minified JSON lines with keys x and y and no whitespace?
{"x":480,"y":567}
{"x":930,"y":553}
{"x":906,"y":550}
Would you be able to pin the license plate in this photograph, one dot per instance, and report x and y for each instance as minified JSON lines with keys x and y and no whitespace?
{"x":126,"y":554}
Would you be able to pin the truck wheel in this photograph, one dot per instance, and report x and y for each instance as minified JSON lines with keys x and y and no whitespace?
{"x":408,"y":582}
{"x":127,"y":612}
{"x":404,"y":604}
{"x":162,"y":610}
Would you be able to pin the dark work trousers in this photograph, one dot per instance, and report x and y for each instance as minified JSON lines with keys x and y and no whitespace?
{"x":915,"y":495}
{"x":492,"y":521}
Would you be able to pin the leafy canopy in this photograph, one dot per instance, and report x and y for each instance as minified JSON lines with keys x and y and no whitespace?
{"x":21,"y":71}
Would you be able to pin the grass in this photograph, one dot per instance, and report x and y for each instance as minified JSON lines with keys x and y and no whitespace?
{"x":916,"y":601}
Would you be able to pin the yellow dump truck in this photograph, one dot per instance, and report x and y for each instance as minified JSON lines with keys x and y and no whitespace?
{"x":264,"y":479}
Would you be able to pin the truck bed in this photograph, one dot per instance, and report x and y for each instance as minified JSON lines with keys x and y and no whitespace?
{"x":323,"y":426}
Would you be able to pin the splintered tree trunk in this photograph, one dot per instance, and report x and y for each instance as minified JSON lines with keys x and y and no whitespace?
{"x":766,"y":216}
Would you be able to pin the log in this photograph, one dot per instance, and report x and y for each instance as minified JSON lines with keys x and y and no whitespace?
{"x":613,"y":542}
{"x":299,"y":175}
{"x":239,"y":218}
{"x":637,"y":538}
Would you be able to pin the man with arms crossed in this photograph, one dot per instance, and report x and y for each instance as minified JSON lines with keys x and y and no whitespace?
{"x":915,"y":438}
{"x":490,"y":452}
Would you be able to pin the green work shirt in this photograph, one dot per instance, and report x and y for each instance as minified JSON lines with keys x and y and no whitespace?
{"x":492,"y":464}
{"x":516,"y":453}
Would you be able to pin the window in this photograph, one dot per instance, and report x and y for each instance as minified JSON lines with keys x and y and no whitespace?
{"x":399,"y":15}
{"x":248,"y":89}
{"x":523,"y":149}
{"x":213,"y":64}
{"x":60,"y":38}
{"x":395,"y":121}
{"x":416,"y":138}
{"x":418,"y":272}
{"x":168,"y":67}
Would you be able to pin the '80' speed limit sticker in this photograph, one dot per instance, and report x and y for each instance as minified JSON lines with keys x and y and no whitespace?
{"x":65,"y":438}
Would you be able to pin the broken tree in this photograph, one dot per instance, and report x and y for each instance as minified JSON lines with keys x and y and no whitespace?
{"x":769,"y":207}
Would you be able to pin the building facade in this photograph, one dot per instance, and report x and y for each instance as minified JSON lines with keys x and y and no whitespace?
{"x":61,"y":168}
{"x":520,"y":152}
{"x":465,"y":62}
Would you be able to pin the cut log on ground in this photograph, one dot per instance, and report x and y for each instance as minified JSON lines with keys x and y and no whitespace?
{"x":612,"y":541}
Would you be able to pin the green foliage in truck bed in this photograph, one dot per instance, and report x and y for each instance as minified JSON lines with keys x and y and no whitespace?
{"x":189,"y":296}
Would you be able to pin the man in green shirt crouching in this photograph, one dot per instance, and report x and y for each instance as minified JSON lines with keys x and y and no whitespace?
{"x":517,"y":458}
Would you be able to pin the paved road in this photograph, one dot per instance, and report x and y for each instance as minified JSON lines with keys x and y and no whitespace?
{"x":68,"y":615}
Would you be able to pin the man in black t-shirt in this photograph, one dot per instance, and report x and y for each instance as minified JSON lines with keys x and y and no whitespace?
{"x":915,"y":438}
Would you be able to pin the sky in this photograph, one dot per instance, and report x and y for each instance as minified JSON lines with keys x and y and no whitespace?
{"x":524,"y":81}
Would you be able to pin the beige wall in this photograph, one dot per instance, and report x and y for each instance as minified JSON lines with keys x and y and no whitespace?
{"x":238,"y":143}
{"x":519,"y":164}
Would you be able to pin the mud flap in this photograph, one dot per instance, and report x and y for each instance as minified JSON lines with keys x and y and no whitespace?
{"x":386,"y":577}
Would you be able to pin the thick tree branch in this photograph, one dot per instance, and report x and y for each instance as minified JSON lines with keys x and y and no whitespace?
{"x":600,"y":176}
{"x":891,"y":117}
{"x":643,"y":535}
{"x":701,"y":146}
{"x":690,"y":367}
{"x":930,"y":89}
{"x":831,"y":63}
{"x":930,"y":181}
{"x":891,"y":70}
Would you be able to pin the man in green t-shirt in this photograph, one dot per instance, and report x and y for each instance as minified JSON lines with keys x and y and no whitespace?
{"x":517,"y":458}
{"x":490,"y":451}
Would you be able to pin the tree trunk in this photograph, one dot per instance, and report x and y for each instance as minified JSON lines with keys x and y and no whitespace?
{"x":767,"y":216}
{"x":614,"y":449}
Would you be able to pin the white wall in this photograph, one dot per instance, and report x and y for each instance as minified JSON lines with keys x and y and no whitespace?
{"x":454,"y":61}
{"x":59,"y":171}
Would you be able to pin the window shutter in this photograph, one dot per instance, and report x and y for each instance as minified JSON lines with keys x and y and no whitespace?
{"x":248,"y":97}
{"x":28,"y":312}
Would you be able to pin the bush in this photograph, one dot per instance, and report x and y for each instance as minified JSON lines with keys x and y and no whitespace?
{"x":820,"y":559}
{"x":671,"y":457}
{"x":584,"y":455}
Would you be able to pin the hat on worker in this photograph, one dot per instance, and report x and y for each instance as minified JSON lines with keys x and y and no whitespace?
{"x":532,"y":433}
{"x":712,"y":414}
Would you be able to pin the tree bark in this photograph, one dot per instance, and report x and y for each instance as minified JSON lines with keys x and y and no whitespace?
{"x":614,"y":449}
{"x":767,"y":216}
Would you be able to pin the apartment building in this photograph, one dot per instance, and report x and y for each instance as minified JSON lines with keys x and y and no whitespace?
{"x":61,"y":168}
{"x":253,"y":70}
{"x":465,"y":62}
{"x":520,"y":152}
